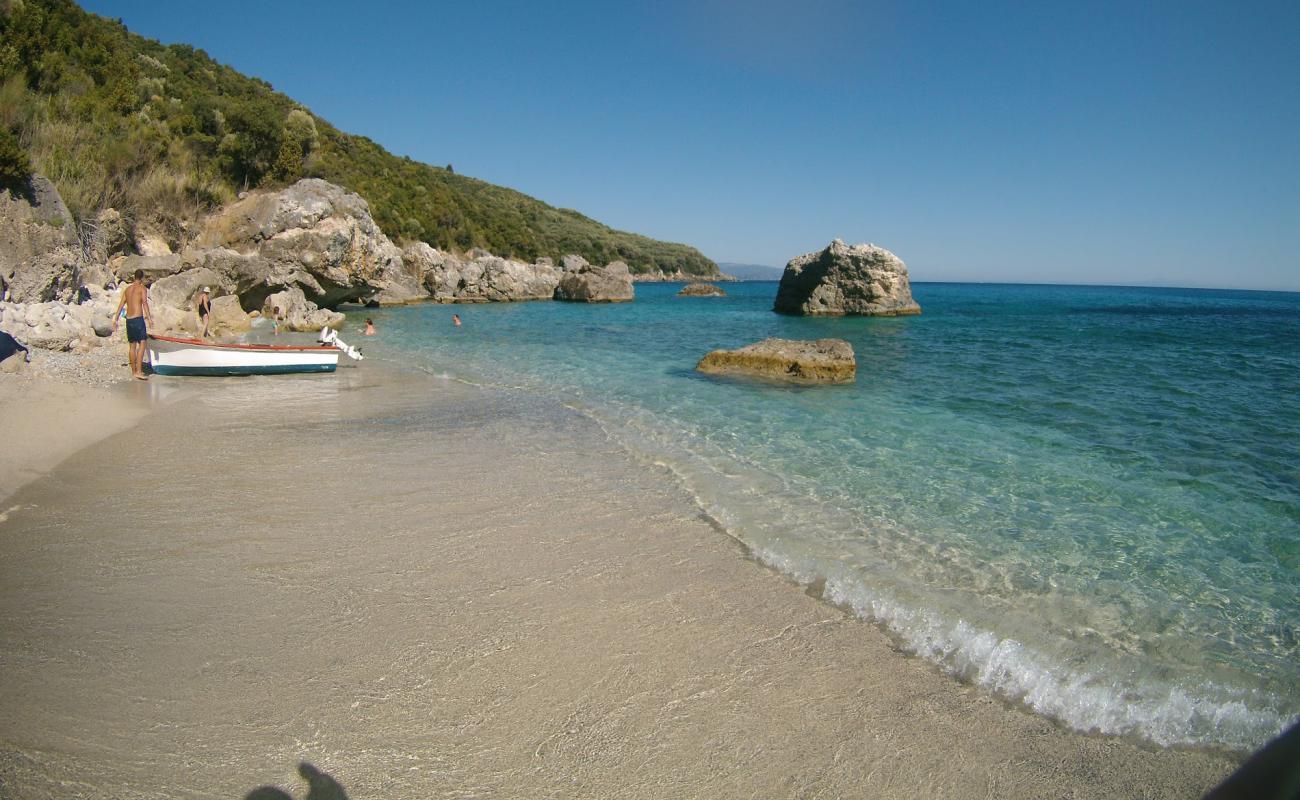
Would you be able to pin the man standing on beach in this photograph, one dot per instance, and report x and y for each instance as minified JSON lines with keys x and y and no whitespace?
{"x":136,"y":299}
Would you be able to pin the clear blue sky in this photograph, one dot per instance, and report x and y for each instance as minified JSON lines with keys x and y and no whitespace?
{"x":1151,"y":143}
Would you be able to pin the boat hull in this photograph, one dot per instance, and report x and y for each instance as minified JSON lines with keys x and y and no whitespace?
{"x":174,"y":356}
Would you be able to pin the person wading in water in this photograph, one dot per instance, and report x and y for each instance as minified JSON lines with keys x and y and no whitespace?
{"x":136,"y":299}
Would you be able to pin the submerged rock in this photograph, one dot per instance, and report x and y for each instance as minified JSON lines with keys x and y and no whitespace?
{"x":861,"y":279}
{"x":796,"y":360}
{"x":586,"y":283}
{"x":701,"y":290}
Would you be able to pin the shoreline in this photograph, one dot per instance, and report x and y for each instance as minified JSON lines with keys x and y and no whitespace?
{"x":60,"y":404}
{"x":595,"y":634}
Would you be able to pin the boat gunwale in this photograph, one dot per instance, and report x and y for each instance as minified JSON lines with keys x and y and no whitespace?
{"x":247,"y":346}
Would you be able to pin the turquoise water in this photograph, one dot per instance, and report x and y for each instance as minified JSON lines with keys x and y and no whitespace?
{"x":1084,"y":498}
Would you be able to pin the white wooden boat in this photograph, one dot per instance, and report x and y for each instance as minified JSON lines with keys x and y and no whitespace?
{"x":169,"y":355}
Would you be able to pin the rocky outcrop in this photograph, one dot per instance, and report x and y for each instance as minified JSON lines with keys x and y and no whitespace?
{"x":108,"y":236}
{"x":701,"y":290}
{"x":297,"y":314}
{"x":54,"y":325}
{"x":228,"y":317}
{"x":313,"y":236}
{"x":480,"y":277}
{"x":154,"y":267}
{"x":586,"y":283}
{"x":862,"y":279}
{"x":40,"y":255}
{"x":820,"y":361}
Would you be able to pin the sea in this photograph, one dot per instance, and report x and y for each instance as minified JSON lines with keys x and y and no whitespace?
{"x":1085,"y":499}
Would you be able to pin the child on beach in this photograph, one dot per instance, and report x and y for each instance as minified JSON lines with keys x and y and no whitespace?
{"x":370,"y":327}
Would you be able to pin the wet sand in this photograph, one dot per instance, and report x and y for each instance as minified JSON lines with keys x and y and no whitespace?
{"x":431,"y":590}
{"x":46,"y":421}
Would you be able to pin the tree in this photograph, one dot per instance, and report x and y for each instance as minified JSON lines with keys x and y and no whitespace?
{"x":253,"y":144}
{"x":288,"y":162}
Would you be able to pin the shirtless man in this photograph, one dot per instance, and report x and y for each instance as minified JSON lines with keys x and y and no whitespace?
{"x":136,"y":299}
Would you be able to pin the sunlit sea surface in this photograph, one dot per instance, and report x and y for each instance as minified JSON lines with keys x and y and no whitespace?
{"x":1084,"y":498}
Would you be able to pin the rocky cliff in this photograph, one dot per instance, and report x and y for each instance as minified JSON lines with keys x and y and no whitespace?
{"x":40,"y":253}
{"x":479,"y":277}
{"x":581,"y":282}
{"x":861,"y":279}
{"x":299,"y":251}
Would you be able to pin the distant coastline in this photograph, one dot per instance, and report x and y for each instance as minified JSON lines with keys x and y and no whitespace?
{"x":751,"y":272}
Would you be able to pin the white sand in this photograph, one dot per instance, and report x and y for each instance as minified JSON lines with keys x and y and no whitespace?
{"x":428,"y":590}
{"x":45,"y":421}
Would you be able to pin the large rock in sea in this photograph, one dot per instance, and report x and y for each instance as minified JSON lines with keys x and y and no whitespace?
{"x":586,"y":283}
{"x":480,"y":277}
{"x":795,"y":360}
{"x":861,"y":279}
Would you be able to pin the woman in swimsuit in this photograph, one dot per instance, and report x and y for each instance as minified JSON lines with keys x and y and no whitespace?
{"x":204,"y":310}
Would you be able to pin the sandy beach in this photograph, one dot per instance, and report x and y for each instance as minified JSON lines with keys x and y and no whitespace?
{"x":427,"y":589}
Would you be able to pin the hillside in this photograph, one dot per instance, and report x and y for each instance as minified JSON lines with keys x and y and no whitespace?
{"x":163,"y":134}
{"x":752,"y":272}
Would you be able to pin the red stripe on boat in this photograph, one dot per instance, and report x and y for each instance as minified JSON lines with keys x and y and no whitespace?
{"x":239,"y":346}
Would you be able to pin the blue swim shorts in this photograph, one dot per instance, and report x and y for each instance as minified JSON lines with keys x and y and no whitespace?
{"x":135,"y":330}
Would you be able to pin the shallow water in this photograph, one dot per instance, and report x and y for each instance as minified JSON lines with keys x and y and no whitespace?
{"x":427,"y":589}
{"x":1085,"y":498}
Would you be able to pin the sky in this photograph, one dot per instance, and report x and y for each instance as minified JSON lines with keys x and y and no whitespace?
{"x":1149,"y":143}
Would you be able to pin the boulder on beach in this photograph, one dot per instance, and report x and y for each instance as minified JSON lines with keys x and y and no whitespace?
{"x":154,"y":267}
{"x":313,"y":236}
{"x":228,"y":318}
{"x":40,"y":255}
{"x":796,"y":360}
{"x":297,"y":313}
{"x":701,"y":290}
{"x":586,"y":283}
{"x":861,"y":279}
{"x":54,"y":325}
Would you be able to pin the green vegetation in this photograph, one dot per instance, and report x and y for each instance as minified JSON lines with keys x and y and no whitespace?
{"x":163,"y":134}
{"x":15,"y":167}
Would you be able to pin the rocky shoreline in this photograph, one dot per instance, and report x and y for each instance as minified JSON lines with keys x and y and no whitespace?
{"x":100,"y":368}
{"x":296,"y":253}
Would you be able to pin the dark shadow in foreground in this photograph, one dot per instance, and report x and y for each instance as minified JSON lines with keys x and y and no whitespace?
{"x":320,"y":786}
{"x":1273,"y":773}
